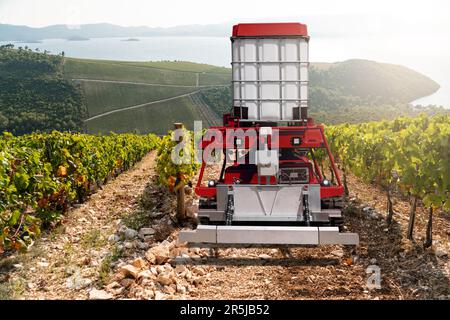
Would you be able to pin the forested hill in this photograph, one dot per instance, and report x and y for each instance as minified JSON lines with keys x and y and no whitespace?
{"x":366,"y":81}
{"x":355,"y":91}
{"x":34,"y":96}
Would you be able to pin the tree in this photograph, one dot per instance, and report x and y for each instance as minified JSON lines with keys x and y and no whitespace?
{"x":3,"y":122}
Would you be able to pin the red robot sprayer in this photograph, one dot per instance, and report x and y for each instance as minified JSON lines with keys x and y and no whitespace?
{"x":270,"y":190}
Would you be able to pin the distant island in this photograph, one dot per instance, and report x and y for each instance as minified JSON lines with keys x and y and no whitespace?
{"x":77,"y":38}
{"x":131,"y":39}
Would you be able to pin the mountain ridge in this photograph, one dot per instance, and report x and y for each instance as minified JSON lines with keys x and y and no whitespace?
{"x":10,"y":32}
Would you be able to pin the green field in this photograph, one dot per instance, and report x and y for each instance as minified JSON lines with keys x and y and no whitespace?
{"x":156,"y":118}
{"x":104,"y":97}
{"x":179,"y":66}
{"x":173,"y":73}
{"x":114,"y":85}
{"x":370,"y":90}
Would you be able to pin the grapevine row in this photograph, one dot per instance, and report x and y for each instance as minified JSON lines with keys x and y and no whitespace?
{"x":409,"y":154}
{"x":41,"y":175}
{"x":169,"y":172}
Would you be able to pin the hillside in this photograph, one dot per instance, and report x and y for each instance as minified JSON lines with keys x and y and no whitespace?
{"x":43,"y":92}
{"x":366,"y":81}
{"x":153,"y":95}
{"x":34,"y":96}
{"x":157,"y":118}
{"x":362,"y":90}
{"x":161,"y":72}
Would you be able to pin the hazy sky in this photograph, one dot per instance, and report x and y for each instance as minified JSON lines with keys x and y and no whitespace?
{"x":164,"y":13}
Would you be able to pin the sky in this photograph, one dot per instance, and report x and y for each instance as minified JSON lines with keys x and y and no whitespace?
{"x":433,"y":14}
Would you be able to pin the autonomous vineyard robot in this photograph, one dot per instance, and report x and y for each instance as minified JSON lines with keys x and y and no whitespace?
{"x":281,"y":197}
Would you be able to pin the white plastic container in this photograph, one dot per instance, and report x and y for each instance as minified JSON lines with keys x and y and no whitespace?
{"x":270,"y":76}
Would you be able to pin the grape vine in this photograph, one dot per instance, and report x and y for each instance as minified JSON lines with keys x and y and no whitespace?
{"x":41,"y":175}
{"x":411,"y":154}
{"x":170,"y":172}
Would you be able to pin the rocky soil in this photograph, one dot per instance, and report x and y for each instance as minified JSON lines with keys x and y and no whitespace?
{"x":122,"y":244}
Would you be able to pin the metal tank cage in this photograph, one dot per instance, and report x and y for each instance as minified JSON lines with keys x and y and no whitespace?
{"x":300,"y":112}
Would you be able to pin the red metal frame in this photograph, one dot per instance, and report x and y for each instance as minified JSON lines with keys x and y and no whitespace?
{"x":312,"y":136}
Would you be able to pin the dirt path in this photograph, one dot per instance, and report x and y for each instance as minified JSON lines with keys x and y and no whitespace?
{"x":331,"y":272}
{"x":69,"y":261}
{"x":149,"y":84}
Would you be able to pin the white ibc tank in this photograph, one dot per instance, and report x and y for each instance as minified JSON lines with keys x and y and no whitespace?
{"x":270,"y":77}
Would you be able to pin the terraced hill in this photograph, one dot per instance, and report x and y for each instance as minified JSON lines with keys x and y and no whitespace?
{"x":145,"y":96}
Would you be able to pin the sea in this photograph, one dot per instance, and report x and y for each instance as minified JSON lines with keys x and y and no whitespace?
{"x":429,"y":56}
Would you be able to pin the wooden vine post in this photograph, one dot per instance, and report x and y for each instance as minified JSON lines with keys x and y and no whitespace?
{"x":179,"y":185}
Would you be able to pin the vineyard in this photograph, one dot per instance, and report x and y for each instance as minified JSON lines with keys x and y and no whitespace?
{"x":45,"y":178}
{"x":41,"y":175}
{"x":159,"y":93}
{"x":168,"y":171}
{"x":408,"y":155}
